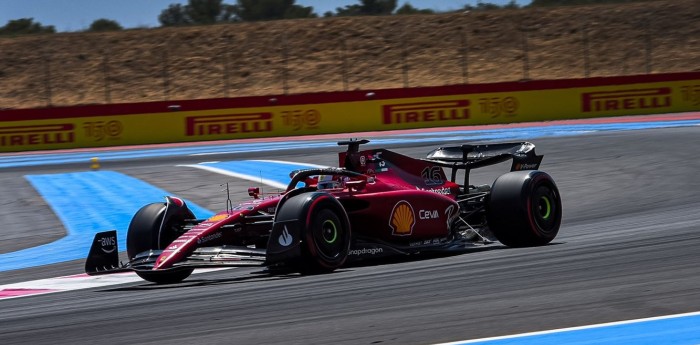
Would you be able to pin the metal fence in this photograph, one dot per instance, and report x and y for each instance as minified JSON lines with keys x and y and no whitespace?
{"x":337,"y":54}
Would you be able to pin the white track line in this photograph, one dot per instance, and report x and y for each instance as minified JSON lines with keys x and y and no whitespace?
{"x":579,"y":328}
{"x":74,"y":282}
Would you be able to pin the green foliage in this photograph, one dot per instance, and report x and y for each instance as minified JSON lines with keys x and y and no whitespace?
{"x":407,"y":8}
{"x":216,"y":11}
{"x":196,"y":12}
{"x":487,"y":6}
{"x":252,"y":10}
{"x":101,"y":25}
{"x":544,"y":3}
{"x":368,"y":8}
{"x":25,"y":26}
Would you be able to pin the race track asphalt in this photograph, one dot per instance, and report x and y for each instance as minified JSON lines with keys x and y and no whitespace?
{"x":628,"y":249}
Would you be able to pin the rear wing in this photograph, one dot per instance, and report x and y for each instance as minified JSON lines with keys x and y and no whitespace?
{"x":473,"y":156}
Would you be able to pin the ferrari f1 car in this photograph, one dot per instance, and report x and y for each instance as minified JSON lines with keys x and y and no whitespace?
{"x":377,"y":203}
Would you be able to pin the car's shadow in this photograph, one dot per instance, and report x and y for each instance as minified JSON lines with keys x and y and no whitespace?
{"x":281,"y":274}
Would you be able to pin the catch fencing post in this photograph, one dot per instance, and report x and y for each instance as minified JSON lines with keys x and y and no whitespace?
{"x":526,"y":56}
{"x":105,"y":73}
{"x":227,"y":63}
{"x":586,"y":57}
{"x":165,"y":73}
{"x":47,"y":78}
{"x":648,"y":60}
{"x":404,"y":57}
{"x":285,"y":62}
{"x":343,"y":59}
{"x":463,"y":55}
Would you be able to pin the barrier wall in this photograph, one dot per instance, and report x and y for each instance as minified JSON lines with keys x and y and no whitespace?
{"x":333,"y":112}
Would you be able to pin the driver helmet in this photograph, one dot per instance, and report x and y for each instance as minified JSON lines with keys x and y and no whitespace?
{"x":328,"y":182}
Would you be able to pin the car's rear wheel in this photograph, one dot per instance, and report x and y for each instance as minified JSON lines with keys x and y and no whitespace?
{"x":144,"y":234}
{"x":524,"y":209}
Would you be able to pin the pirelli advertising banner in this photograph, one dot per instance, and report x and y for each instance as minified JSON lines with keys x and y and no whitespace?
{"x":342,"y":112}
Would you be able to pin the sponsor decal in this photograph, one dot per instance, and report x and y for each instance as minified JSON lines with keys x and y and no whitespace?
{"x":448,"y":213}
{"x":37,"y":135}
{"x":525,"y":166}
{"x":173,"y":247}
{"x":428,"y":214}
{"x":691,"y":94}
{"x":285,"y":238}
{"x":209,"y":237}
{"x":499,"y":106}
{"x":100,"y":130}
{"x":402,"y":219}
{"x":626,"y":100}
{"x":162,"y":258}
{"x":218,"y":217}
{"x":432,"y":175}
{"x":108,"y":244}
{"x":443,"y":190}
{"x":366,"y":251}
{"x":244,"y":207}
{"x":228,"y":124}
{"x":426,"y":112}
{"x":301,"y":119}
{"x":434,"y":241}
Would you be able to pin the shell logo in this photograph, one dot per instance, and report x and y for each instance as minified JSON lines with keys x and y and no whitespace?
{"x":402,"y":219}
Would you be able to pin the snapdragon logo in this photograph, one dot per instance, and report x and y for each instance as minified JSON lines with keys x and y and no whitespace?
{"x":366,"y":251}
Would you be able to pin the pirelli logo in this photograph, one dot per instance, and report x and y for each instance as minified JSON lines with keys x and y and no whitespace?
{"x":228,"y":124}
{"x":626,"y":99}
{"x":37,"y":135}
{"x":426,"y":112}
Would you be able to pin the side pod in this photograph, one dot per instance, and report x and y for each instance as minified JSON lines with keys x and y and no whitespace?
{"x":104,"y":254}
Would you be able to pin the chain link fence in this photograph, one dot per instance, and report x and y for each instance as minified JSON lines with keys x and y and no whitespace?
{"x":340,"y":54}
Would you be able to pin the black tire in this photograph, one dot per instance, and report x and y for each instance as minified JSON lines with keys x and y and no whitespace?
{"x":143,"y":235}
{"x":524,"y":209}
{"x":327,"y":239}
{"x":325,"y":231}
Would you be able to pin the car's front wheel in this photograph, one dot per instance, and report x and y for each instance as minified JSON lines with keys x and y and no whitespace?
{"x":145,"y":234}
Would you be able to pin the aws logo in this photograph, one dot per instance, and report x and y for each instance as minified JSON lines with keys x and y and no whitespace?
{"x":402,"y":219}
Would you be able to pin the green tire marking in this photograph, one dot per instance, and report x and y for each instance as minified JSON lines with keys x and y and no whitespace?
{"x":549,"y":207}
{"x":335,"y":232}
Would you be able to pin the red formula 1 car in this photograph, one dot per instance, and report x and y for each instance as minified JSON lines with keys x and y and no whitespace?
{"x":378,"y":203}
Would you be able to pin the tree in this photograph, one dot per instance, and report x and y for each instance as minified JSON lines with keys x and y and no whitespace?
{"x":487,"y":6}
{"x":204,"y":11}
{"x":101,"y":25}
{"x":215,"y":11}
{"x":25,"y":26}
{"x":252,"y":10}
{"x":196,"y":12}
{"x":407,"y":8}
{"x":368,"y":8}
{"x":174,"y":15}
{"x":542,"y":3}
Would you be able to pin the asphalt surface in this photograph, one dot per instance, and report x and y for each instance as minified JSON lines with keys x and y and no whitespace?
{"x":627,"y":249}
